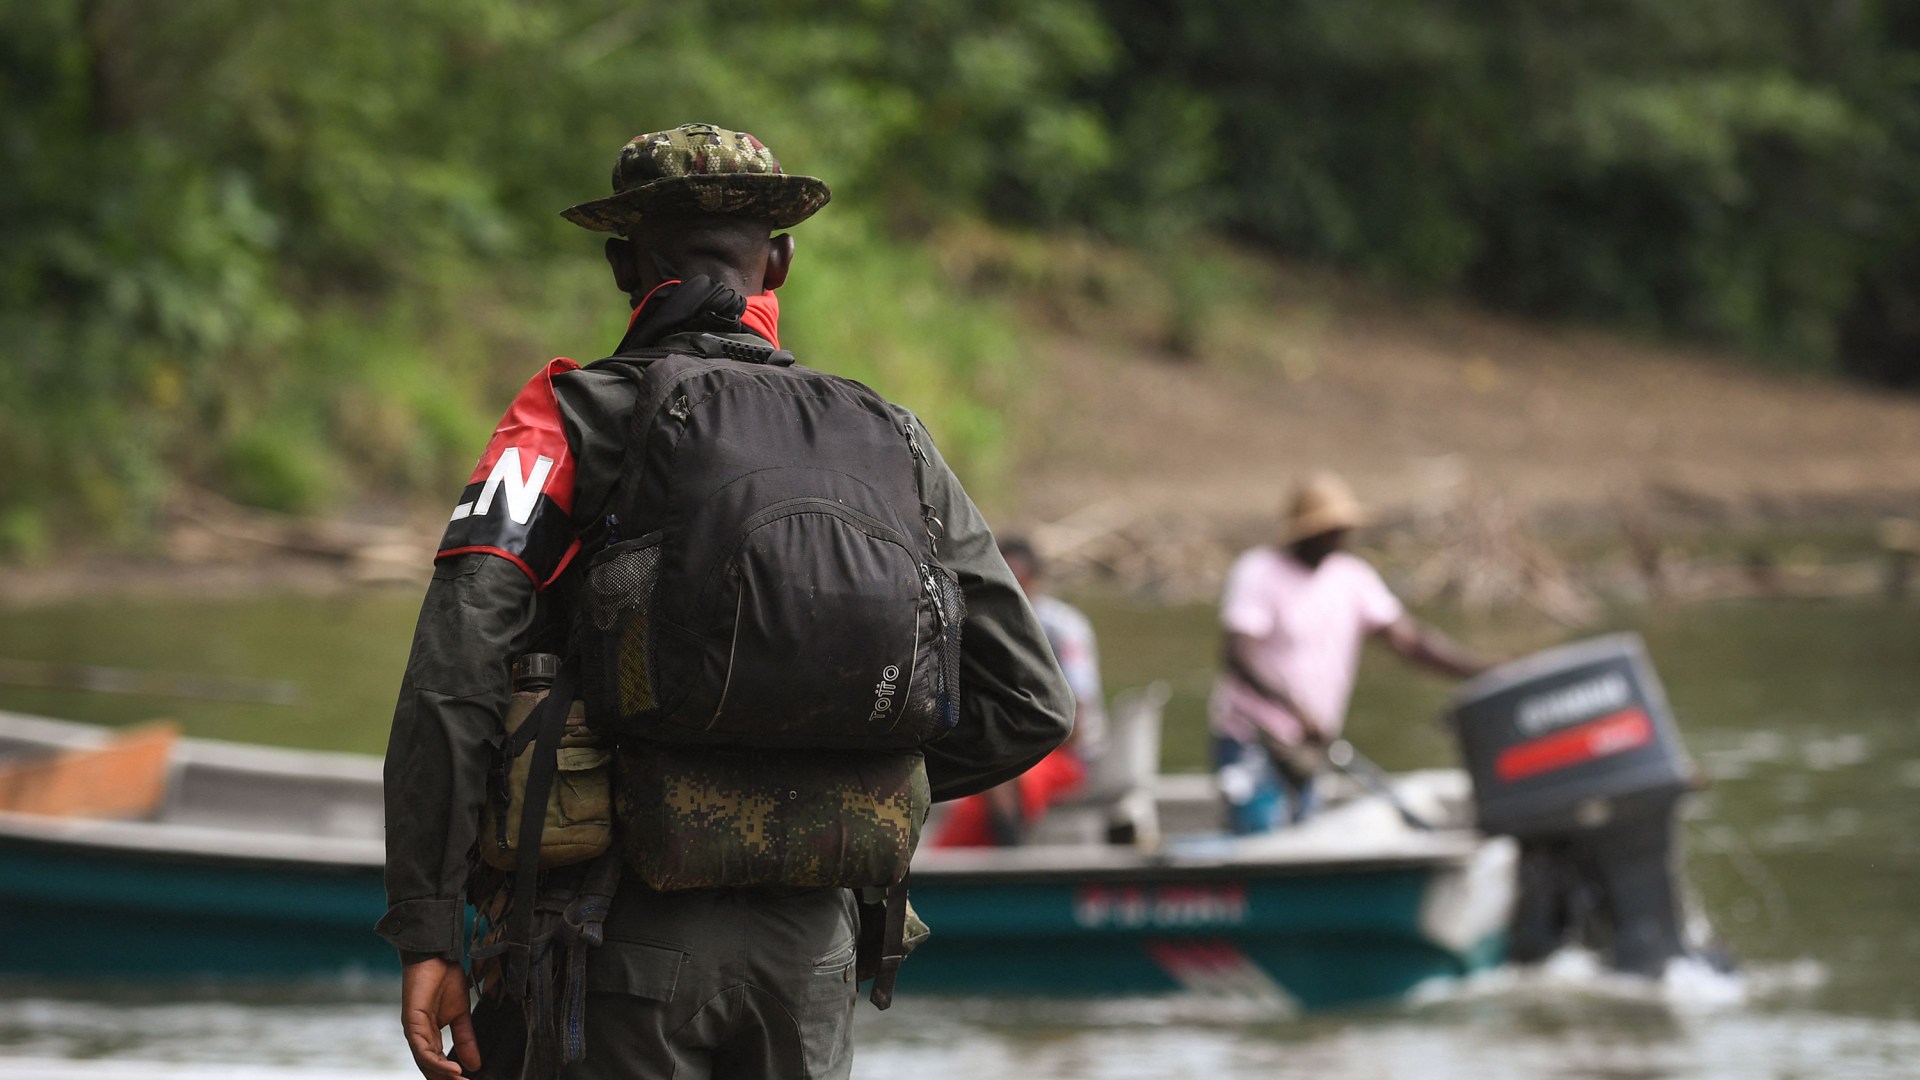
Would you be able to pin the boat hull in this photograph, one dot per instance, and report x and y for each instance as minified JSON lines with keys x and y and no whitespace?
{"x":266,"y":865}
{"x":1297,"y":938}
{"x":86,"y":912}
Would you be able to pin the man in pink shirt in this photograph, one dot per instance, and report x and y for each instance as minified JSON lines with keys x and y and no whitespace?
{"x":1295,"y":616}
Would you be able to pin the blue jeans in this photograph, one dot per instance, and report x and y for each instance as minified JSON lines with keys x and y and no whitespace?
{"x":1259,"y":799}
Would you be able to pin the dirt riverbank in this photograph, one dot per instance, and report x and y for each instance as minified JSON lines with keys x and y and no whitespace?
{"x":1493,"y":449}
{"x":1451,"y":423}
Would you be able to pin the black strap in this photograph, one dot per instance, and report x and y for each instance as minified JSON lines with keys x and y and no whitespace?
{"x":706,"y":347}
{"x":892,"y":946}
{"x":583,"y":928}
{"x":553,"y":1008}
{"x":715,"y":347}
{"x":549,"y":722}
{"x":654,"y":393}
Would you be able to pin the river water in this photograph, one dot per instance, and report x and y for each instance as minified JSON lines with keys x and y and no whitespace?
{"x":1805,"y":853}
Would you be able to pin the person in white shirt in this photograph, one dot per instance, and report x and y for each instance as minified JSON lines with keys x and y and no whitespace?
{"x":1071,"y":636}
{"x":1295,"y":615}
{"x":1002,"y":816}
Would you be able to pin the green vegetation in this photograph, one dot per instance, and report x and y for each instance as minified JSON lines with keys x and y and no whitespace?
{"x":302,"y":253}
{"x":1741,"y":170}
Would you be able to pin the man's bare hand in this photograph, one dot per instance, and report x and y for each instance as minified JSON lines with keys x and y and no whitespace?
{"x":433,"y":995}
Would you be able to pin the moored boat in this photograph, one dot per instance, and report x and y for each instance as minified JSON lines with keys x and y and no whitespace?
{"x":265,"y":863}
{"x":1353,"y":906}
{"x":258,"y":863}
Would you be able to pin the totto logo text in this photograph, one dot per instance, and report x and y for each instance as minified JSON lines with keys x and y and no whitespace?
{"x":883,"y":692}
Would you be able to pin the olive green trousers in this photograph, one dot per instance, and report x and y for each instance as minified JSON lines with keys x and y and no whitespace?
{"x":728,"y":984}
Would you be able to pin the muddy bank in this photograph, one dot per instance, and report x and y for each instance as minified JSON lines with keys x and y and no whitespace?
{"x":1505,"y":460}
{"x":1464,"y":546}
{"x":1495,"y":451}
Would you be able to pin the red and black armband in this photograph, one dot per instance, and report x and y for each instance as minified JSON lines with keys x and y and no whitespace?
{"x":518,"y":503}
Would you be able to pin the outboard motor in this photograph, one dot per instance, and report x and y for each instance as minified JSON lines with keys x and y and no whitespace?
{"x":1574,"y":752}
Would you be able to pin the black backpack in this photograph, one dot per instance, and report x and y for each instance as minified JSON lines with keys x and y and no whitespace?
{"x":768,"y":577}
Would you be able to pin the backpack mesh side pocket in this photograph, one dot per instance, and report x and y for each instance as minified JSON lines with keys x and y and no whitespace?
{"x":621,"y":663}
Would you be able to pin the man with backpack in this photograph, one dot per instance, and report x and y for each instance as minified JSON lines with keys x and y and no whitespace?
{"x":761,"y":593}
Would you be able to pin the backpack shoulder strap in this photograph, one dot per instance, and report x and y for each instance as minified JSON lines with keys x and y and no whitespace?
{"x":636,"y":364}
{"x":656,"y":388}
{"x":711,"y":346}
{"x":544,"y":727}
{"x":654,"y":391}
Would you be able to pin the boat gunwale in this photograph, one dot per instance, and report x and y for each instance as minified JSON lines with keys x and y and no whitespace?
{"x":1074,"y":864}
{"x":207,"y":844}
{"x":215,"y":844}
{"x":190,"y":843}
{"x":192,"y":752}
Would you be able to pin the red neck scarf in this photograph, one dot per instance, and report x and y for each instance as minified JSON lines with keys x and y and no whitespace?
{"x":763,"y":317}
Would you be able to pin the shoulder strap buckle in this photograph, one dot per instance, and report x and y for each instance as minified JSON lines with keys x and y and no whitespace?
{"x":715,"y":347}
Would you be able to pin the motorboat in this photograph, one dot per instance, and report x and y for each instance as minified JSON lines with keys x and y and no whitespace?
{"x":265,"y":863}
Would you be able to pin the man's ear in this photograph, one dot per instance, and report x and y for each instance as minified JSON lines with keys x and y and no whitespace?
{"x":779,"y":261}
{"x":626,"y":267}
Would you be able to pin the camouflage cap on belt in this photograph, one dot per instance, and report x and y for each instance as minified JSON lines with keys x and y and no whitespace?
{"x":699,"y":169}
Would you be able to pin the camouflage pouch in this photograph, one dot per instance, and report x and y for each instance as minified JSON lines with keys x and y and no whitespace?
{"x":701,"y":817}
{"x":579,"y":821}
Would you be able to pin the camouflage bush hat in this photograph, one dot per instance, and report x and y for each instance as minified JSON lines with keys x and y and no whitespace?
{"x":699,"y":169}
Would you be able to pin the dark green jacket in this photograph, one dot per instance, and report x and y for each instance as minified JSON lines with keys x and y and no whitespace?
{"x":480,"y":613}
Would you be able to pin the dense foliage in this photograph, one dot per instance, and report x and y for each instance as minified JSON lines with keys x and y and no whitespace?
{"x":301,"y":252}
{"x":1743,"y":170}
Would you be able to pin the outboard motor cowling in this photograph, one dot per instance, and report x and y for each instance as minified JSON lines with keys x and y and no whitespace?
{"x":1574,"y":751}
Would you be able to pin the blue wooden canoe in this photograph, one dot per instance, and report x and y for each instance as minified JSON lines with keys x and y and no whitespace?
{"x":265,"y":864}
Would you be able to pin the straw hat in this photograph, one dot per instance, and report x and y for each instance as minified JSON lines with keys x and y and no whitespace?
{"x":1322,"y":502}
